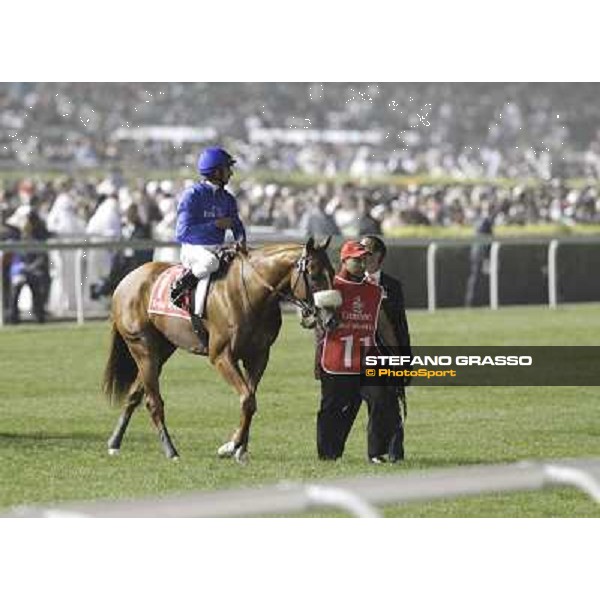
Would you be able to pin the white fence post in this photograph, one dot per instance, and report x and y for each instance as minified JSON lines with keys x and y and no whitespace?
{"x":79,"y":289}
{"x":578,"y":478}
{"x":552,"y":274}
{"x":431,"y":291}
{"x":327,"y":496}
{"x":494,"y":251}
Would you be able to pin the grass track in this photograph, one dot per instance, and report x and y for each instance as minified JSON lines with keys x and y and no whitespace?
{"x":54,"y":422}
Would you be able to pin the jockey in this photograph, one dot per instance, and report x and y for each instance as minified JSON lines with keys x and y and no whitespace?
{"x":205,"y":211}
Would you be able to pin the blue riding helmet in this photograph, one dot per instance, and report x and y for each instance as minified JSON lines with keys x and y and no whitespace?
{"x":213,"y":158}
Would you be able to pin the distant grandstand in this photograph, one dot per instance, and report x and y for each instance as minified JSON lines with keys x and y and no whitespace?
{"x":461,"y":130}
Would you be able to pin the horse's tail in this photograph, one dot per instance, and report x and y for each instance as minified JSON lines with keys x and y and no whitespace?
{"x":120,"y":371}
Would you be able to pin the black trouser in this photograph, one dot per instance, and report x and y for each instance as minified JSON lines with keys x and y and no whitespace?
{"x":6,"y":284}
{"x":396,"y":448}
{"x":385,"y":428}
{"x":474,"y":289}
{"x":39,"y":285}
{"x":341,"y":396}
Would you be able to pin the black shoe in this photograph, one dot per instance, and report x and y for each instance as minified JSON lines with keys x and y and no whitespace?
{"x":185,"y":283}
{"x":377,"y":460}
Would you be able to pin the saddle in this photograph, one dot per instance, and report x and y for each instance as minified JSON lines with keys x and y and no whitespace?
{"x":192,"y":301}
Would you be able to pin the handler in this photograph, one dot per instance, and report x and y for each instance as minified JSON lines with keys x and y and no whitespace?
{"x":338,"y":365}
{"x":393,"y":305}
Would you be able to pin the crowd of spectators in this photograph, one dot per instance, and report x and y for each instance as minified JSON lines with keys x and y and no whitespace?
{"x":76,"y":205}
{"x":461,"y":130}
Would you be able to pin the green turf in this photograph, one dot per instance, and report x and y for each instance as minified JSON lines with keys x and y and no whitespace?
{"x":54,"y":422}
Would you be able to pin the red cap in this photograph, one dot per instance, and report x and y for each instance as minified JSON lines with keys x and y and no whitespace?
{"x":353,"y":249}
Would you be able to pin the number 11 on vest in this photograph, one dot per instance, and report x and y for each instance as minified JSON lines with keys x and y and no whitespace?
{"x":359,"y":314}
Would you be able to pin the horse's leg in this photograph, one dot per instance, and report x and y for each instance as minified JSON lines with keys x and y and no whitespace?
{"x":150,"y":361}
{"x":133,"y":401}
{"x":255,"y":365}
{"x":238,"y":445}
{"x":155,"y":406}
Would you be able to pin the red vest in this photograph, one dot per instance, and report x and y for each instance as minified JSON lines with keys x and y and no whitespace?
{"x":359,"y":313}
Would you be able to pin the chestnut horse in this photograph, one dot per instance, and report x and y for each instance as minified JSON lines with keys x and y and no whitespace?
{"x":243,"y":319}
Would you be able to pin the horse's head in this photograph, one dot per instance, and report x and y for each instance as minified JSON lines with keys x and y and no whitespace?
{"x":312,"y":285}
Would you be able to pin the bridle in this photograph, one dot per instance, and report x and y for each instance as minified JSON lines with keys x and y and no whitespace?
{"x":307,"y":306}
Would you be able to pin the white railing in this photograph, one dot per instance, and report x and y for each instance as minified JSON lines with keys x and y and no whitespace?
{"x":358,"y":495}
{"x":82,"y":248}
{"x":432,"y":248}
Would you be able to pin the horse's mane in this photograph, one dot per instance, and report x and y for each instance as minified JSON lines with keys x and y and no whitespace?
{"x":269,"y":250}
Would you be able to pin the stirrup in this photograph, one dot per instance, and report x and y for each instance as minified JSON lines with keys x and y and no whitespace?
{"x":185,"y":283}
{"x":177,"y":296}
{"x":199,"y":330}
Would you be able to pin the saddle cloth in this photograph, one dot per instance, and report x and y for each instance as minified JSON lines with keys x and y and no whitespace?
{"x":160,"y":296}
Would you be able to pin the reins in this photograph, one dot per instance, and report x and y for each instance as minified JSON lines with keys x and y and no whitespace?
{"x":301,"y":267}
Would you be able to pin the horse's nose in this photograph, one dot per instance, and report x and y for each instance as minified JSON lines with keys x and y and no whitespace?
{"x":308,"y":322}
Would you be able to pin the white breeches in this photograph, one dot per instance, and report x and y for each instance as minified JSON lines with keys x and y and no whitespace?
{"x":199,"y":259}
{"x":202,"y":262}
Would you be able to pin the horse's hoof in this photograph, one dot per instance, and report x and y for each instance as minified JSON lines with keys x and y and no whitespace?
{"x":241,"y":456}
{"x":226,"y":450}
{"x":175,"y":458}
{"x":114,"y":451}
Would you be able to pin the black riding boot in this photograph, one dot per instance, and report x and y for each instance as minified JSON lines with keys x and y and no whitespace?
{"x":186,"y":282}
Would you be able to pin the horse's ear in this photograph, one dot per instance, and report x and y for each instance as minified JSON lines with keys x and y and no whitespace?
{"x":325,"y":243}
{"x":310,"y":244}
